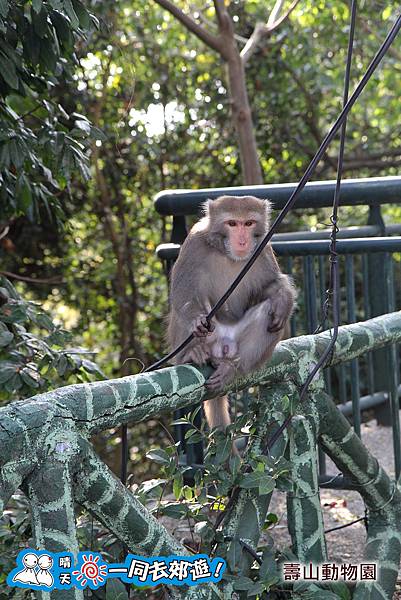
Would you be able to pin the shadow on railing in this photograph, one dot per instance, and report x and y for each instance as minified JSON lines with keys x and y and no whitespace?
{"x":44,"y":450}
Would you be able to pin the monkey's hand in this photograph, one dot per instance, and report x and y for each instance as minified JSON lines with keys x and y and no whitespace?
{"x":224,"y":374}
{"x":201,"y":328}
{"x":278,"y":313}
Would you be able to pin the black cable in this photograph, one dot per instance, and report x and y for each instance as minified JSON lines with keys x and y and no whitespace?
{"x":346,"y":525}
{"x":305,"y":178}
{"x":333,"y":290}
{"x":333,"y":285}
{"x":341,"y":119}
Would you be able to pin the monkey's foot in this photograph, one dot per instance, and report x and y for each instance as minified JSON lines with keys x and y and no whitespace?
{"x":201,"y":327}
{"x":222,"y":376}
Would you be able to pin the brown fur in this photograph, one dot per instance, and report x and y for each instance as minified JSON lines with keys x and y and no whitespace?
{"x":253,"y":317}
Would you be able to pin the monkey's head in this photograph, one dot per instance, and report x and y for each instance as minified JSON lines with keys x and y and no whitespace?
{"x":236,"y":224}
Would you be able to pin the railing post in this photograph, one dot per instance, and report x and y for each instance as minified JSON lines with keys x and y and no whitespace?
{"x":379,"y":304}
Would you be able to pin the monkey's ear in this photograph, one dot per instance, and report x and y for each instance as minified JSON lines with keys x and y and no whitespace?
{"x":207,"y":207}
{"x":268,"y":209}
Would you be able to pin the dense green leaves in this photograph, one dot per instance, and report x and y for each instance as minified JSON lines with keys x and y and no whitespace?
{"x":39,"y":145}
{"x":32,"y":353}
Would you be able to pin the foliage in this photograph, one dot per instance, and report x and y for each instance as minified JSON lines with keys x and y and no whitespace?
{"x":201,"y":501}
{"x":42,"y":139}
{"x":33,"y":357}
{"x":158,"y":101}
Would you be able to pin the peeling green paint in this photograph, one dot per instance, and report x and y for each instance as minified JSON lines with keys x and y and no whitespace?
{"x":44,"y":449}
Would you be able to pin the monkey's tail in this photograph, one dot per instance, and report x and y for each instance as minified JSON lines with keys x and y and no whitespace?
{"x":217,"y":412}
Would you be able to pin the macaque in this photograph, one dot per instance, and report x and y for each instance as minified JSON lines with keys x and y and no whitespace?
{"x":246,"y":329}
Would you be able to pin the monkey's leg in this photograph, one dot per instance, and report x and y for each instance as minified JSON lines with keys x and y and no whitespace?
{"x":255,"y":342}
{"x":217,"y":412}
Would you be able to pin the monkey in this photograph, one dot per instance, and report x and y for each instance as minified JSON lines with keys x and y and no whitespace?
{"x":246,"y":329}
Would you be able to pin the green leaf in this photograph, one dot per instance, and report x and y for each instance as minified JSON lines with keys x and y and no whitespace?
{"x":159,"y":456}
{"x":243,"y":584}
{"x":13,"y":313}
{"x":39,"y":21}
{"x":82,"y":13}
{"x":175,"y":511}
{"x":340,"y":588}
{"x":177,"y":485}
{"x":256,"y":589}
{"x":83,"y":125}
{"x":62,"y":28}
{"x":23,"y":193}
{"x":271,"y":519}
{"x":30,"y":376}
{"x":115,"y":590}
{"x":69,"y":9}
{"x":195,"y":438}
{"x":4,"y":7}
{"x":6,"y":337}
{"x":234,"y":464}
{"x":7,"y":371}
{"x":8,"y":71}
{"x":223,"y":450}
{"x":37,"y":5}
{"x":268,"y":568}
{"x":257,"y":480}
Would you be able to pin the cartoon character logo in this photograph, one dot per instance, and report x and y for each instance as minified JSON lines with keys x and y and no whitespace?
{"x":35,"y":571}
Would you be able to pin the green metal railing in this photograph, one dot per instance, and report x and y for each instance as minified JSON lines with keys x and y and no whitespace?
{"x":369,"y":286}
{"x":44,"y":450}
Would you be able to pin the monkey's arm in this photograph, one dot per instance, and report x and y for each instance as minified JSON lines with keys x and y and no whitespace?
{"x":189,"y":305}
{"x":281,"y":294}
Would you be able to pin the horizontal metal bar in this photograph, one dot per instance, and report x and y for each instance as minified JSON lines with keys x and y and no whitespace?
{"x":366,"y":402}
{"x":371,"y":190}
{"x":345,"y":232}
{"x":311,"y":247}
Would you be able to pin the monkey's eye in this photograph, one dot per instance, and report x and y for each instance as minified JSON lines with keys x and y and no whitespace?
{"x":232,"y":223}
{"x":249,"y":223}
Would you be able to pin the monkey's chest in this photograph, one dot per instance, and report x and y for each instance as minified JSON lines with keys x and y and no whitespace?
{"x":235,"y":306}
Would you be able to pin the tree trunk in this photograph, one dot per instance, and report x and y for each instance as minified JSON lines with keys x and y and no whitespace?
{"x":242,"y":118}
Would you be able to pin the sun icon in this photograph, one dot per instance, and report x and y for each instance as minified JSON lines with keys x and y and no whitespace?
{"x":91,"y":571}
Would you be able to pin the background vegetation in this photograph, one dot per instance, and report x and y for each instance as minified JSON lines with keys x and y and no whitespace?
{"x":104,"y":104}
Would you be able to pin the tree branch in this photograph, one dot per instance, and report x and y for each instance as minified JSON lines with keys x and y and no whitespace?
{"x":263,"y":30}
{"x":208,"y":38}
{"x":10,"y":275}
{"x":221,"y":11}
{"x":273,"y":25}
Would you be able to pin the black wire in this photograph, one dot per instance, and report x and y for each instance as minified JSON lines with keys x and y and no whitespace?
{"x":341,"y":119}
{"x":333,"y":290}
{"x":346,"y":525}
{"x":295,"y":194}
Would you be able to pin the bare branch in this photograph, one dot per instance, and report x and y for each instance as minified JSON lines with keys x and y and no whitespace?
{"x":263,"y":30}
{"x":283,"y":17}
{"x":208,"y":38}
{"x":52,"y":280}
{"x":274,"y":13}
{"x":250,"y":47}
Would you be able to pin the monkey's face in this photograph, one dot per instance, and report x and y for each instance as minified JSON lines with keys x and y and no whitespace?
{"x":241,"y":238}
